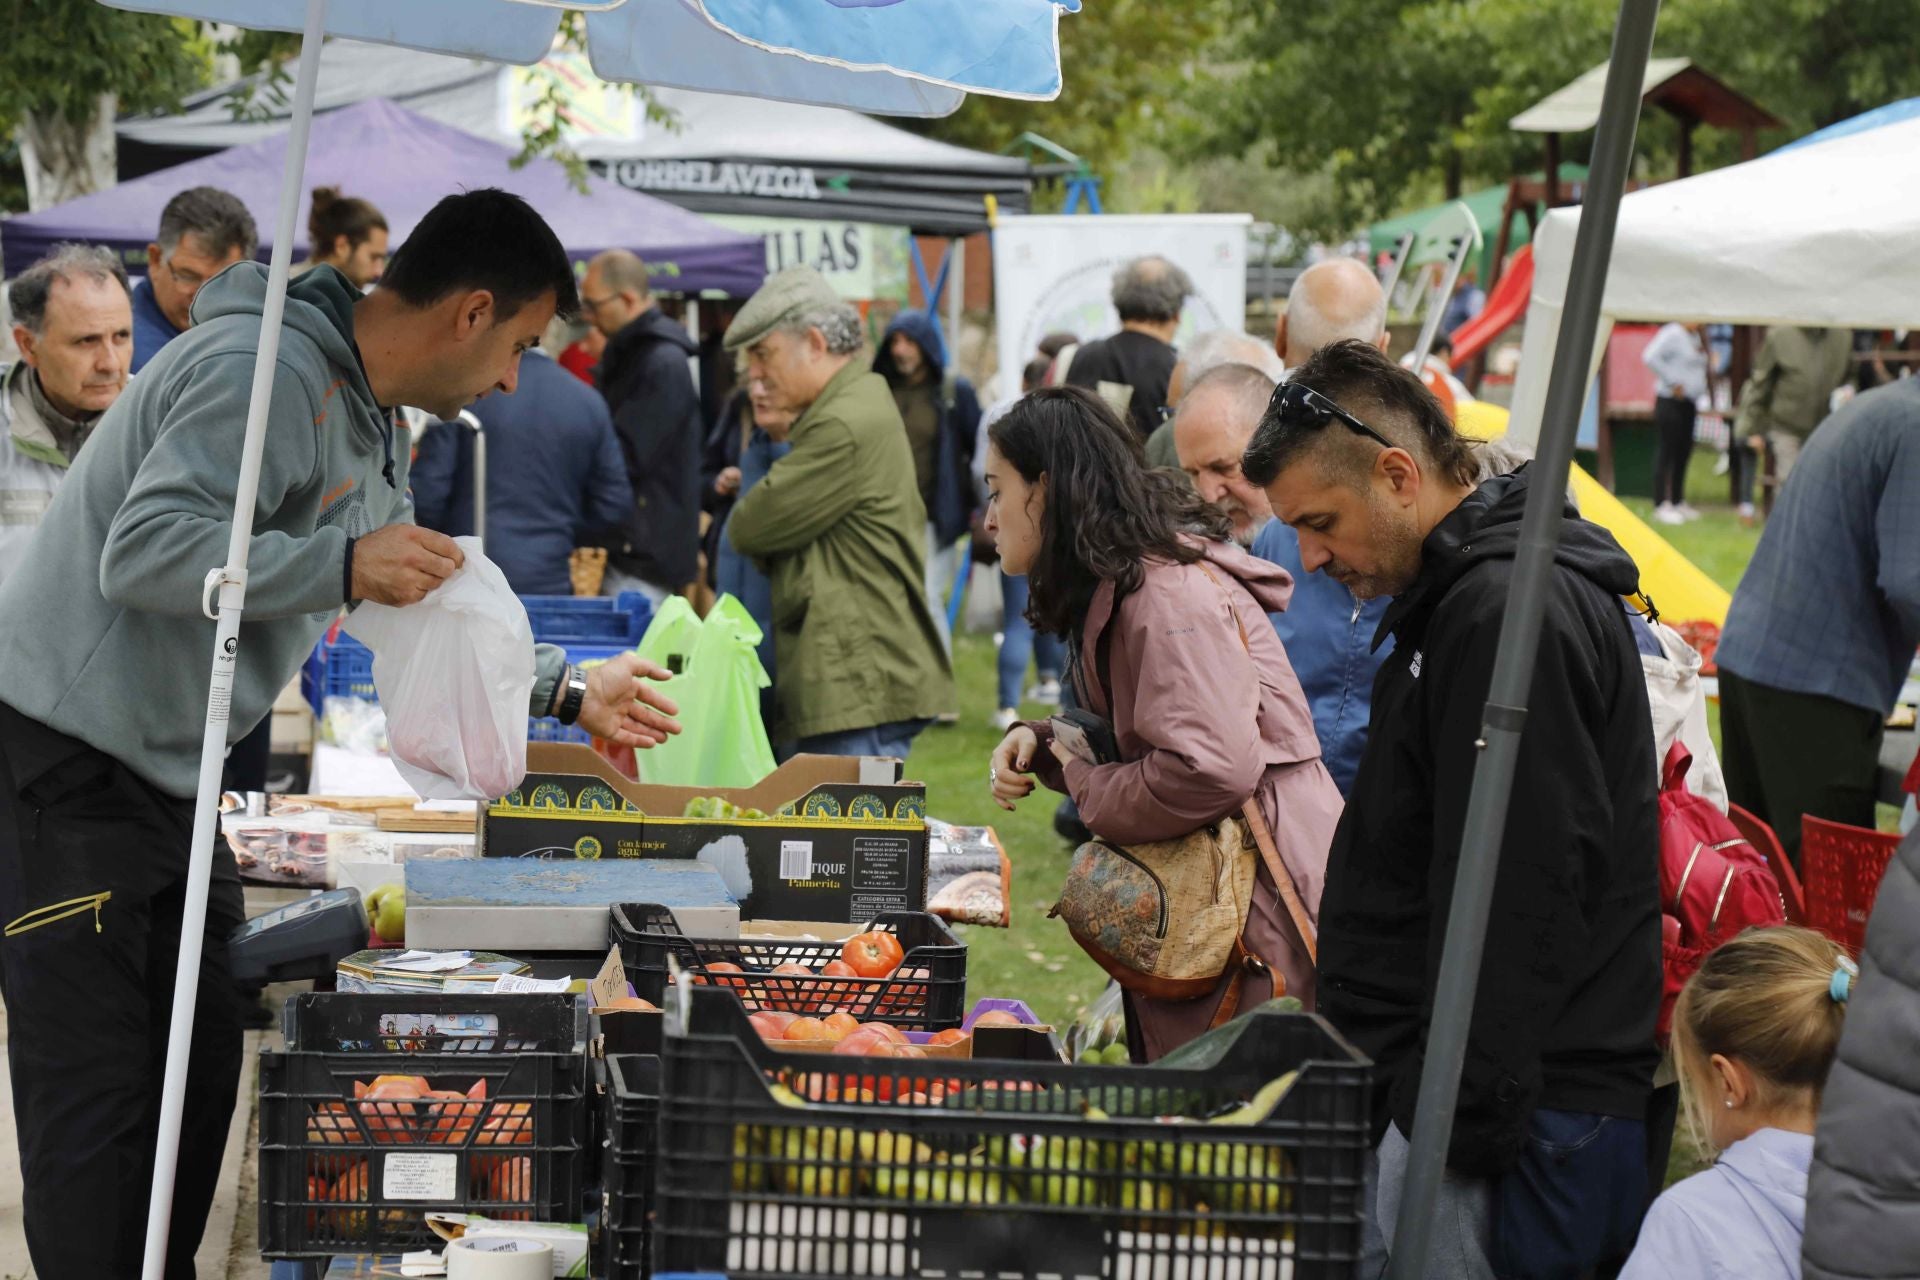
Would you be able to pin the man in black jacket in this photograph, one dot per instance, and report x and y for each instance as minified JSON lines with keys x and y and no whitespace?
{"x":1547,"y":1159}
{"x":656,"y":414}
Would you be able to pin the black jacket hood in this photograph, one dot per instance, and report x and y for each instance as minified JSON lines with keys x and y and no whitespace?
{"x":1486,"y":526}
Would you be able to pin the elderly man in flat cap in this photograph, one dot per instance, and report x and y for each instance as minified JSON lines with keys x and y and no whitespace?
{"x":840,"y":528}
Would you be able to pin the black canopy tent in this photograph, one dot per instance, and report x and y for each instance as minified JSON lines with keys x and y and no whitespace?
{"x":723,"y":154}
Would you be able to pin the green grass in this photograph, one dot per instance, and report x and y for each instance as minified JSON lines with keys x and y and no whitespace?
{"x":1035,"y":960}
{"x":1716,"y":542}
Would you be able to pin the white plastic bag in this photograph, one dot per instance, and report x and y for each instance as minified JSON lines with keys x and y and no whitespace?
{"x":454,"y":674}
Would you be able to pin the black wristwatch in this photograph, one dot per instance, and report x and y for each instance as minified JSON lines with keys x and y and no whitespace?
{"x":575,"y":697}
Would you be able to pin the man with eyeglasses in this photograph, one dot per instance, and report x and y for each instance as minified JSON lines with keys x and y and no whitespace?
{"x":1547,"y":1161}
{"x":656,"y":415}
{"x":203,"y":231}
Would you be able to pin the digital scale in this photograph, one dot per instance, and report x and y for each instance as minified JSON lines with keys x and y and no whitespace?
{"x":302,"y":940}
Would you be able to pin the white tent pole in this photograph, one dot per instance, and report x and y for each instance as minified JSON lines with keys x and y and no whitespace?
{"x":231,"y":584}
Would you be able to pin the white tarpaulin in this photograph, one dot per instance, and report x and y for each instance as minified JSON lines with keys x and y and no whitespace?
{"x":1055,"y":273}
{"x":1819,"y":235}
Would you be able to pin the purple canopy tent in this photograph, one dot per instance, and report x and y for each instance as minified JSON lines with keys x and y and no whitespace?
{"x":404,"y":163}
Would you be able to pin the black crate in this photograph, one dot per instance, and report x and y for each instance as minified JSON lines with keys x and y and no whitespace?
{"x":647,"y":934}
{"x":355,"y":1023}
{"x":632,"y":1114}
{"x":340,"y":1175}
{"x":1018,"y":1169}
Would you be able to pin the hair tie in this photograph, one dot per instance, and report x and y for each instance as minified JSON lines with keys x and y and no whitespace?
{"x":1842,"y":984}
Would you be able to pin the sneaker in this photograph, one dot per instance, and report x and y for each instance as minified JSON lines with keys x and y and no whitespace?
{"x":1747,"y":514}
{"x":1666,"y":513}
{"x":1047,"y":692}
{"x":1687,"y":512}
{"x":1005,"y":718}
{"x":1723,"y":464}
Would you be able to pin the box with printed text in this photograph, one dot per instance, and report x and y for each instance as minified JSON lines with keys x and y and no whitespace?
{"x":835,"y":838}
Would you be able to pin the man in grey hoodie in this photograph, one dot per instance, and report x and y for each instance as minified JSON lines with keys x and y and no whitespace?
{"x":104,"y":674}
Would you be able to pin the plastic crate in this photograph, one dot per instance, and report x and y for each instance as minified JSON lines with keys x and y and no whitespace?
{"x":589,"y":620}
{"x":631,"y":1114}
{"x":338,"y":667}
{"x":647,"y":934}
{"x":341,"y":1173}
{"x":1842,"y":866}
{"x":1020,"y":1169}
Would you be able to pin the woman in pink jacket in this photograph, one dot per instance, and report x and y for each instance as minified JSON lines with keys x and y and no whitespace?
{"x":1170,"y":644}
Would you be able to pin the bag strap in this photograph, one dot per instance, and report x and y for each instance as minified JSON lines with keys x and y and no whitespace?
{"x":1282,"y":878}
{"x":1673,"y":771}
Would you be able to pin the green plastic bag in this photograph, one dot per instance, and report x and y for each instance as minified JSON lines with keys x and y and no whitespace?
{"x":717,"y":683}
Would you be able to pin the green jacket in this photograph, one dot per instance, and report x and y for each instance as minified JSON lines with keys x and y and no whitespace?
{"x":1793,"y":378}
{"x":840,"y":528}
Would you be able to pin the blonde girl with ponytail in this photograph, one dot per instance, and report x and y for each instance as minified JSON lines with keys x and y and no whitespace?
{"x":1754,"y":1033}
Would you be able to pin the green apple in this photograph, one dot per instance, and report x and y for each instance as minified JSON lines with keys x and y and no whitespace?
{"x":387,"y":911}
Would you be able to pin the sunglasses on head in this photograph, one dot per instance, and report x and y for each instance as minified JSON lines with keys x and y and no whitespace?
{"x":1301,"y":406}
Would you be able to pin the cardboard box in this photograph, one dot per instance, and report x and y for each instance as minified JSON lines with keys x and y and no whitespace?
{"x":845,"y":839}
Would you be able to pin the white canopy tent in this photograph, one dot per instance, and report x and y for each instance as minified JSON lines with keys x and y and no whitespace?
{"x":1819,"y":235}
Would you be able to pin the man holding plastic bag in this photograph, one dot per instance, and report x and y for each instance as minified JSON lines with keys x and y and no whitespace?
{"x":104,"y":679}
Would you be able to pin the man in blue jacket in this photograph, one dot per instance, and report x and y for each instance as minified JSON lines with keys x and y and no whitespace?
{"x":555,"y":478}
{"x":942,"y":414}
{"x":1327,"y":633}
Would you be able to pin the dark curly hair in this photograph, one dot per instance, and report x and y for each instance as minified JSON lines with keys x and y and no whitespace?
{"x":1107,"y":511}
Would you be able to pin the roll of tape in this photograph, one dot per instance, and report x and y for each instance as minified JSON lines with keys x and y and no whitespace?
{"x":499,"y":1258}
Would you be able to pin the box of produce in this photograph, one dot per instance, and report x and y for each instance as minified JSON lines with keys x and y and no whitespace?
{"x":1241,"y":1155}
{"x":820,"y":838}
{"x":901,"y":967}
{"x":385,"y":1108}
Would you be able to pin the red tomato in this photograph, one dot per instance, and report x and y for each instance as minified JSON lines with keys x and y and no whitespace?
{"x":874,"y":954}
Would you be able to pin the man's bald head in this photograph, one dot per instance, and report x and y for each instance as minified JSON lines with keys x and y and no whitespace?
{"x":1333,"y":301}
{"x":615,"y":291}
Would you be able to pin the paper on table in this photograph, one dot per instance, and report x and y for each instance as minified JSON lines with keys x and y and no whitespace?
{"x":429,"y":961}
{"x":510,"y":983}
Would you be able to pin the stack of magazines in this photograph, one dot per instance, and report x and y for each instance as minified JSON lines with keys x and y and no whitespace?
{"x":401,"y":972}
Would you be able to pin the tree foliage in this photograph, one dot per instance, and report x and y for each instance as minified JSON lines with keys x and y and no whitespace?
{"x":1399,"y":100}
{"x":58,"y":56}
{"x":1127,"y":65}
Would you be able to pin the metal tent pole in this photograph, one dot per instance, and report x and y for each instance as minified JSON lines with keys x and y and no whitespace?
{"x":231,"y":585}
{"x":1430,"y":328}
{"x":1506,"y":711}
{"x":1401,"y":253}
{"x":471,"y":420}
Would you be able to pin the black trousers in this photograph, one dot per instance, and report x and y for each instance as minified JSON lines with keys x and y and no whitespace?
{"x":1786,"y":754}
{"x":93,"y":868}
{"x":1672,"y":448}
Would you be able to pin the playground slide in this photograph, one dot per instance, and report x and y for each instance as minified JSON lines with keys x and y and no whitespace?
{"x":1507,"y":303}
{"x":1678,"y":588}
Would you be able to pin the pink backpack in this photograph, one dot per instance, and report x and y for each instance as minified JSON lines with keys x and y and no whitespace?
{"x":1713,"y":883}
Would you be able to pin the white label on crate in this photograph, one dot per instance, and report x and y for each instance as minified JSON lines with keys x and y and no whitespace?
{"x":796,"y":859}
{"x":417,"y":1175}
